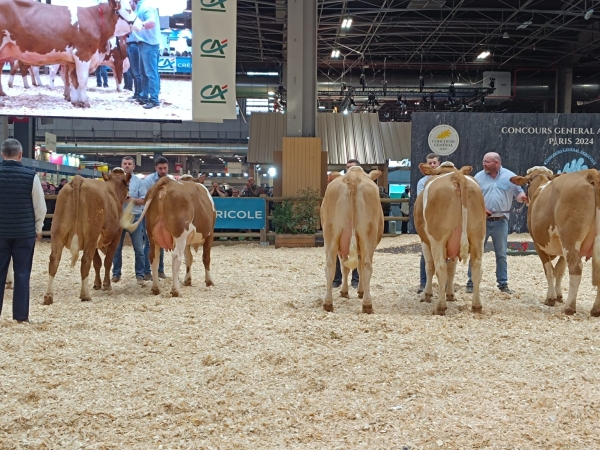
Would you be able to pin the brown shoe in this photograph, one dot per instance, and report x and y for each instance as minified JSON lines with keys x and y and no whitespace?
{"x":115,"y":279}
{"x":148,"y":277}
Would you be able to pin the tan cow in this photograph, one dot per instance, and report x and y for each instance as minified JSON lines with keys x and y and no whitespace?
{"x":178,"y":216}
{"x":352,"y":221}
{"x":449,"y":215}
{"x":563,"y":221}
{"x":87,"y":218}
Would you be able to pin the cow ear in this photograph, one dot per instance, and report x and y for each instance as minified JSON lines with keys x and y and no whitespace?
{"x":332,"y":176}
{"x":374,"y":174}
{"x":466,"y":170}
{"x":105,"y":176}
{"x":426,"y":169}
{"x":519,"y":181}
{"x":114,"y":4}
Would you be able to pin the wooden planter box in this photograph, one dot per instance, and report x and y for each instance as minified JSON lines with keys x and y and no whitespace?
{"x":295,"y":240}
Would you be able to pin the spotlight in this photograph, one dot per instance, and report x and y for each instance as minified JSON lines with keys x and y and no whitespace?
{"x":588,"y":14}
{"x":483,"y":55}
{"x":335,"y":53}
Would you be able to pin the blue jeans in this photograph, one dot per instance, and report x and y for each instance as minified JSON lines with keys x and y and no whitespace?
{"x":21,"y":252}
{"x":423,"y":281}
{"x":133,"y":53}
{"x":498,"y":230}
{"x":128,"y":79}
{"x":149,"y":70}
{"x":137,"y":240}
{"x":102,"y":75}
{"x":147,"y":265}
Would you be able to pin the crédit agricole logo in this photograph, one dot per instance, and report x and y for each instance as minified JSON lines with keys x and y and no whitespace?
{"x":213,"y":5}
{"x":213,"y":94}
{"x":213,"y":48}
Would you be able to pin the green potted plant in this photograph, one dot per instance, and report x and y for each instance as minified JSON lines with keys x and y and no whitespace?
{"x":296,"y":221}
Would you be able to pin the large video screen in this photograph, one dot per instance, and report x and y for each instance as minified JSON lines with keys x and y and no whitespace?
{"x":98,"y":98}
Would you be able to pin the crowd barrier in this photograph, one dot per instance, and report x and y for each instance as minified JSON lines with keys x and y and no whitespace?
{"x":245,"y":218}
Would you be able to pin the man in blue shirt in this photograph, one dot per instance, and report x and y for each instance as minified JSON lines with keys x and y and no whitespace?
{"x":498,"y":194}
{"x":137,"y":192}
{"x":148,"y":40}
{"x":433,"y":161}
{"x":161,"y":165}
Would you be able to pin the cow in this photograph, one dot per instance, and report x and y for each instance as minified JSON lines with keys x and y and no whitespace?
{"x":24,"y":69}
{"x":449,"y":216}
{"x":564,"y":221}
{"x":179,"y":215}
{"x":87,"y":218}
{"x":77,"y":37}
{"x":352,"y":222}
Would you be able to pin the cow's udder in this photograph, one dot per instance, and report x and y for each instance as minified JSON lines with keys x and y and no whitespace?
{"x":162,"y":236}
{"x":453,"y":244}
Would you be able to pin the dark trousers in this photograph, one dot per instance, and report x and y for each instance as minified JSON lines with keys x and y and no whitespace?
{"x":21,"y":252}
{"x":338,"y":273}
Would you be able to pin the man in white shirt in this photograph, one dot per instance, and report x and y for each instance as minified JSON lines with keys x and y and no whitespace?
{"x":22,"y":212}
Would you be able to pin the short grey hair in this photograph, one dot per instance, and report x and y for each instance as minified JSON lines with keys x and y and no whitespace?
{"x":11,"y":148}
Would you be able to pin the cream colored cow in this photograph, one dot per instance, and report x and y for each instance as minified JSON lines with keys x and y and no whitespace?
{"x":352,"y":221}
{"x":563,"y":221}
{"x":449,"y":215}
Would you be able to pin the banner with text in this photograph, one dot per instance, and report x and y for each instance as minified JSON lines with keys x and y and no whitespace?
{"x":213,"y":66}
{"x":240,"y":213}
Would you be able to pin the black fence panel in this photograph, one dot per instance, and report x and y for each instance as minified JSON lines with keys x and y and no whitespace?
{"x":561,"y":142}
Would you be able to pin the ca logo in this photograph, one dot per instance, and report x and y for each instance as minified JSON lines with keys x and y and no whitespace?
{"x":213,"y":5}
{"x":213,"y":94}
{"x":209,"y":47}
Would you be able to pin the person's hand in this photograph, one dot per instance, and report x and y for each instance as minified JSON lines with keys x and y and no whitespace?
{"x":488,"y":212}
{"x":38,"y":237}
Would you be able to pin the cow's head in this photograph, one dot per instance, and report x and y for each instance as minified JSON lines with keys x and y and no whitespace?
{"x":445,"y":167}
{"x":536,"y":176}
{"x":128,"y":19}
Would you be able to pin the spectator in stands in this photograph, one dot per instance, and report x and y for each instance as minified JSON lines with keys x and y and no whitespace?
{"x":216,"y":191}
{"x":45,"y":187}
{"x":405,"y":209}
{"x":252,"y":189}
{"x":161,"y":165}
{"x":61,"y":185}
{"x":337,"y":279}
{"x":149,"y":50}
{"x":22,"y":212}
{"x":136,"y":195}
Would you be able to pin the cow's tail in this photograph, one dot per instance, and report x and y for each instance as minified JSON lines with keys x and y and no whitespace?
{"x":352,"y":261}
{"x":596,"y":251}
{"x":461,"y":179}
{"x":127,"y":218}
{"x":78,"y":225}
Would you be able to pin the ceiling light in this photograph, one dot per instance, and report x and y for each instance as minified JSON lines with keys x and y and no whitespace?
{"x":321,"y":107}
{"x":483,"y":55}
{"x":588,"y":14}
{"x":335,"y":53}
{"x":264,"y":74}
{"x":346,"y":23}
{"x":271,"y":93}
{"x":506,"y":36}
{"x":272,"y":171}
{"x":524,"y":25}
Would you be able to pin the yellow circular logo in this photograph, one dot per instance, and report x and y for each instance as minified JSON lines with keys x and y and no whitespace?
{"x":443,"y":140}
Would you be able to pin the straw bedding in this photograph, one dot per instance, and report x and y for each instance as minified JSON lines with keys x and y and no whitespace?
{"x":254,"y":362}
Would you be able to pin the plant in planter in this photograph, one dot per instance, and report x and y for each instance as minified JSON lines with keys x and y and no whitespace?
{"x":296,"y":222}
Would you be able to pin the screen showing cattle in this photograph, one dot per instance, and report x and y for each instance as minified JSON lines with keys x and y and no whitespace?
{"x":113,"y":59}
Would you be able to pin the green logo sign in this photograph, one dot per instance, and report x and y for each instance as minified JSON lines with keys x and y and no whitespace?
{"x":213,"y":5}
{"x":213,"y":94}
{"x":213,"y":48}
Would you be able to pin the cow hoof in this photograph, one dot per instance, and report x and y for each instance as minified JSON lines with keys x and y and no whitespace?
{"x":476,"y":309}
{"x":328,"y":308}
{"x":97,"y":287}
{"x":595,"y":313}
{"x":559,"y":299}
{"x":208,"y":283}
{"x":48,"y":300}
{"x":344,"y":294}
{"x":439,"y":312}
{"x":550,"y":302}
{"x":368,"y":309}
{"x":427,"y":298}
{"x":174,"y":293}
{"x":569,"y":311}
{"x":187,"y":282}
{"x":106,"y":287}
{"x":86,"y":299}
{"x":9,"y":285}
{"x":360,"y":294}
{"x":155,"y":290}
{"x":450,"y":298}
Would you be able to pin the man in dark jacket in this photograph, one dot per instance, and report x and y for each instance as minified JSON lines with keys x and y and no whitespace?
{"x":22,"y":211}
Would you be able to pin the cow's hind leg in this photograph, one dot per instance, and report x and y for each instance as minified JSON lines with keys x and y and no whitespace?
{"x":55,"y":255}
{"x":451,"y":268}
{"x":206,"y":247}
{"x":330,"y":255}
{"x":441,"y":270}
{"x":559,"y":273}
{"x":108,"y":260}
{"x":178,"y":253}
{"x":97,"y":267}
{"x":549,"y":271}
{"x":575,"y":269}
{"x":429,"y":270}
{"x":365,"y":281}
{"x":345,"y":272}
{"x":86,"y":264}
{"x":155,"y":260}
{"x":189,"y":260}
